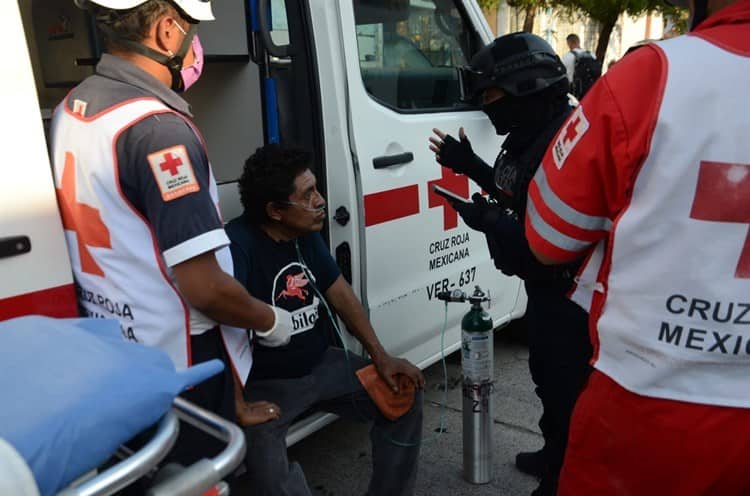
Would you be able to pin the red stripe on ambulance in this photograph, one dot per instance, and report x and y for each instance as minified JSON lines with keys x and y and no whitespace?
{"x":392,"y":204}
{"x":52,"y":302}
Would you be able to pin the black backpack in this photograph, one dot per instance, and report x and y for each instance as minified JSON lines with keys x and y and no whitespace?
{"x":585,"y":73}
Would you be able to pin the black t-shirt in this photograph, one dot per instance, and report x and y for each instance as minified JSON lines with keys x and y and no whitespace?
{"x":272,"y":272}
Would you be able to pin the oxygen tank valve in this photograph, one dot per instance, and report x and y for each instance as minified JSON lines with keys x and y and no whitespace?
{"x":478,"y":297}
{"x":454,"y":296}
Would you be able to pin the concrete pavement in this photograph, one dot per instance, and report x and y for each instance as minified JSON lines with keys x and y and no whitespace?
{"x":337,"y":461}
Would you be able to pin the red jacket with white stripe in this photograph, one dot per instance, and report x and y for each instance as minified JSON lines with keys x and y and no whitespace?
{"x":650,"y":177}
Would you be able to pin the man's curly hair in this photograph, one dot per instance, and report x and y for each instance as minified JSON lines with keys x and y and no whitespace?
{"x":268,"y":177}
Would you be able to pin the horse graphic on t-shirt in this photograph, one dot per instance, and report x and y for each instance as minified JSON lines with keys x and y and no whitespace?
{"x":294,"y":285}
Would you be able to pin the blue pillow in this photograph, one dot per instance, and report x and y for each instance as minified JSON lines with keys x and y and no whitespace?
{"x":73,"y":390}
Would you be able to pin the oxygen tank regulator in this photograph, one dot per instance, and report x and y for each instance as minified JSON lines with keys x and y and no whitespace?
{"x":458,"y":296}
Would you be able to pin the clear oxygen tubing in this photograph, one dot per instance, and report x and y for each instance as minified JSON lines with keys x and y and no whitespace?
{"x":395,"y":442}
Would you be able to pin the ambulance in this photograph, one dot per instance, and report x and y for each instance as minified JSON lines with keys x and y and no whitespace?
{"x":360,"y":83}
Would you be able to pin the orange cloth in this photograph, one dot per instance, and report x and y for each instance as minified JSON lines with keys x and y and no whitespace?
{"x":392,"y":405}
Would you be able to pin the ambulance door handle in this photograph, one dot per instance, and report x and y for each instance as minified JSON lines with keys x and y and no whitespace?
{"x":341,"y":216}
{"x":14,"y":245}
{"x":391,"y":160}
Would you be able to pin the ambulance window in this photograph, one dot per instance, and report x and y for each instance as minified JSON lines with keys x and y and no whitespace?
{"x":409,"y":49}
{"x":279,"y":25}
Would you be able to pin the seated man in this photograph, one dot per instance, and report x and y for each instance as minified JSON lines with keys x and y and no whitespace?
{"x":280,"y":257}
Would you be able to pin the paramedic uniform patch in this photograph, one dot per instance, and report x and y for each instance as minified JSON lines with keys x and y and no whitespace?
{"x":570,"y":135}
{"x":79,"y":107}
{"x":173,"y":172}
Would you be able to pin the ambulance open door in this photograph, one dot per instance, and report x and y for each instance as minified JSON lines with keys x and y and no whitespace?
{"x":400,"y":59}
{"x":36,"y":273}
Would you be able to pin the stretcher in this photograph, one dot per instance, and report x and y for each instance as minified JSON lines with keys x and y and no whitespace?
{"x":73,"y":391}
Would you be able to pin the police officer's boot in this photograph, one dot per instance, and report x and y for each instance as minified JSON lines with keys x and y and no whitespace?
{"x":531,"y":462}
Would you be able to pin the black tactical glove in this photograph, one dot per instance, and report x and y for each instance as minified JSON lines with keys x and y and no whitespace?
{"x":461,"y":159}
{"x":479,"y":215}
{"x":456,"y":155}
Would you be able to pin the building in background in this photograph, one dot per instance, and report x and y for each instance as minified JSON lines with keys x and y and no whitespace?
{"x":554,"y":27}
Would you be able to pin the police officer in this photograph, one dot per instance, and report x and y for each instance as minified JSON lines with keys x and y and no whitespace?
{"x":139,"y":203}
{"x":523,"y":90}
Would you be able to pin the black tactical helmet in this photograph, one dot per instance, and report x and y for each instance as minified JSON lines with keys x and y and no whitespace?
{"x":520,"y":64}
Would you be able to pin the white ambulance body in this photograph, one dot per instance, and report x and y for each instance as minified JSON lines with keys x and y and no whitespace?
{"x":361,"y":83}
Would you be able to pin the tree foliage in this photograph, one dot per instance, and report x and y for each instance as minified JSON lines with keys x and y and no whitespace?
{"x":529,"y":8}
{"x":606,"y":13}
{"x":488,"y":4}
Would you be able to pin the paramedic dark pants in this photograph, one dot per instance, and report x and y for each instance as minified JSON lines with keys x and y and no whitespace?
{"x":215,"y":394}
{"x":559,"y":354}
{"x":331,"y":387}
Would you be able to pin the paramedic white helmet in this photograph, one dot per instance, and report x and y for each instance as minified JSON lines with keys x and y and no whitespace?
{"x":197,"y":10}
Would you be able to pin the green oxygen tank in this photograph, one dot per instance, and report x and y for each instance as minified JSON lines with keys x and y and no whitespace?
{"x":478,"y":384}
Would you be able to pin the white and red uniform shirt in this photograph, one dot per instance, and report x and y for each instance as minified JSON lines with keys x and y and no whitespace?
{"x":650,"y":178}
{"x":137,"y":196}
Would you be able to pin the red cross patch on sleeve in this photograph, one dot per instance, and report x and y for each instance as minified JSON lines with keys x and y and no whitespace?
{"x":173,"y":172}
{"x":569,"y":136}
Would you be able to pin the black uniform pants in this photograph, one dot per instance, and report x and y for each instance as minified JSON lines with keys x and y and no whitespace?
{"x":215,"y":394}
{"x":559,"y":354}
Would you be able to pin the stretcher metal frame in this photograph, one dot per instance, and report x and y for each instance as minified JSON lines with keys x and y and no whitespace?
{"x":194,"y":480}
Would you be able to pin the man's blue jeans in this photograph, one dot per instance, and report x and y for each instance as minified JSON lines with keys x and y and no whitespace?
{"x":331,"y":387}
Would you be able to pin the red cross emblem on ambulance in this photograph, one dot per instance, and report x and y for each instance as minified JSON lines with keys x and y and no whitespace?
{"x":173,"y":172}
{"x":456,"y":183}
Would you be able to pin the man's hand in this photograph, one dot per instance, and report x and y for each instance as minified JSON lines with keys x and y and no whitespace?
{"x":347,"y":305}
{"x":456,"y":155}
{"x":478,"y":215}
{"x":389,"y":367}
{"x":280,"y":333}
{"x":253,"y":413}
{"x":257,"y":412}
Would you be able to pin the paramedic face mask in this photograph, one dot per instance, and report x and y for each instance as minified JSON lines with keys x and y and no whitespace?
{"x":172,"y":61}
{"x":192,"y":73}
{"x":176,"y":60}
{"x":192,"y":11}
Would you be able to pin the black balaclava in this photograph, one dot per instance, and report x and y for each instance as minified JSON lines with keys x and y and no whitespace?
{"x":523,"y":117}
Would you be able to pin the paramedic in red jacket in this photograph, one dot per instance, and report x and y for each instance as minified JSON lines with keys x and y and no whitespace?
{"x":650,"y":178}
